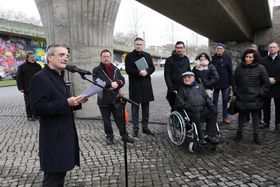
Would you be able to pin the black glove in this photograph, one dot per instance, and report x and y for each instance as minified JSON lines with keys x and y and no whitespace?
{"x":214,"y":110}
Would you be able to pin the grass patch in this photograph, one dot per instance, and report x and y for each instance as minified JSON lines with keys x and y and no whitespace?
{"x":8,"y":83}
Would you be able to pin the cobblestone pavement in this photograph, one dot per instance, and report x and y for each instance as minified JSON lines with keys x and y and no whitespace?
{"x":152,"y":161}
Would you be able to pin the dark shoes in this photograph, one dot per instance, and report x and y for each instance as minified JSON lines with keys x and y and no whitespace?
{"x":264,"y":125}
{"x":256,"y":139}
{"x":110,"y":140}
{"x":211,"y":139}
{"x":202,"y":141}
{"x":148,"y":132}
{"x":135,"y":133}
{"x":31,"y":119}
{"x":128,"y":139}
{"x":238,"y":136}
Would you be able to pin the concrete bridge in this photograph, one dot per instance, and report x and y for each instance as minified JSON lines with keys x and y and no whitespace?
{"x":219,"y":20}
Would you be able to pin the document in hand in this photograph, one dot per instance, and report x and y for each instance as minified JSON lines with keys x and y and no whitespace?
{"x":93,"y":89}
{"x":141,"y":64}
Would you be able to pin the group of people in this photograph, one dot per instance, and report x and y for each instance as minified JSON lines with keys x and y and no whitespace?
{"x":254,"y":83}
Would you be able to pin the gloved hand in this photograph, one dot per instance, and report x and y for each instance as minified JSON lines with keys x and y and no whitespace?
{"x":214,"y":110}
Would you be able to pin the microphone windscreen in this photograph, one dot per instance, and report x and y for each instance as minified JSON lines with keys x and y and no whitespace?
{"x":71,"y":68}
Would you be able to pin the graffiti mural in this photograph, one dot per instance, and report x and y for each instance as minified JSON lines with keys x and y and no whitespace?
{"x":13,"y":50}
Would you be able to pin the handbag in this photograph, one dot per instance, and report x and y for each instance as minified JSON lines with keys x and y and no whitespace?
{"x":232,"y":109}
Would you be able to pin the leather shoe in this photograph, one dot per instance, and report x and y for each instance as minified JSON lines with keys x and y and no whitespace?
{"x":202,"y":141}
{"x":256,"y":139}
{"x":135,"y":133}
{"x":226,"y":120}
{"x":128,"y":139}
{"x":30,"y":119}
{"x":110,"y":141}
{"x":148,"y":132}
{"x":211,"y":139}
{"x":264,"y":125}
{"x":238,"y":136}
{"x":277,"y":126}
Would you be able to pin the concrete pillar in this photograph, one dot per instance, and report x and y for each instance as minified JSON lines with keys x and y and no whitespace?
{"x":87,"y":27}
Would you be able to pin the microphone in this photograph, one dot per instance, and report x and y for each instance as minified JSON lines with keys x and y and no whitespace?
{"x":73,"y":69}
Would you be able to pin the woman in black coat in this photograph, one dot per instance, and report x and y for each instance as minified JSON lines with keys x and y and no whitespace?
{"x":205,"y":73}
{"x":250,"y":85}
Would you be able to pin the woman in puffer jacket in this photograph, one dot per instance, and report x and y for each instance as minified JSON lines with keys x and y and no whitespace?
{"x":205,"y":73}
{"x":250,"y":85}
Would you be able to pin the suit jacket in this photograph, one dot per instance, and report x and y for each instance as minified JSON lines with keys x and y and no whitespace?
{"x":58,"y":140}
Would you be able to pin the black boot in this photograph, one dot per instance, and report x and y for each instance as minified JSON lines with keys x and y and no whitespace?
{"x":257,"y":139}
{"x":238,"y":136}
{"x":135,"y":133}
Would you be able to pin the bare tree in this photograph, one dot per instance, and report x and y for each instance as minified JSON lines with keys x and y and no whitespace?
{"x":124,"y":39}
{"x":19,"y":16}
{"x":136,"y":21}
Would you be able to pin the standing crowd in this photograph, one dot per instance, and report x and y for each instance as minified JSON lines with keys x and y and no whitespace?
{"x":254,"y":83}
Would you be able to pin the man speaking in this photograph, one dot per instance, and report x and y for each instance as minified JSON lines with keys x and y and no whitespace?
{"x":50,"y":100}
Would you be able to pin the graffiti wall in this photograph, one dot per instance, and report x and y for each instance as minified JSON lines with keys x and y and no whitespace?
{"x":13,"y":50}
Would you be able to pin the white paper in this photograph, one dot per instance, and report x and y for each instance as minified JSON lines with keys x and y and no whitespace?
{"x":93,"y":89}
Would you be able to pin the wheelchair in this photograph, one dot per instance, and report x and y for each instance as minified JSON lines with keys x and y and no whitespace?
{"x":180,"y":128}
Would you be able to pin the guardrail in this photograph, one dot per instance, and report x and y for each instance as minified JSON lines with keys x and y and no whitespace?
{"x":21,"y":28}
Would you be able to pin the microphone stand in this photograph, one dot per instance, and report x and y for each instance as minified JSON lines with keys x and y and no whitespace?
{"x":123,"y":100}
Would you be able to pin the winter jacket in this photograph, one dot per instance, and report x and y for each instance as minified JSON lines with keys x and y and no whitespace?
{"x":273,"y":69}
{"x":193,"y":98}
{"x":174,"y":67}
{"x":223,"y":65}
{"x":108,"y":97}
{"x":250,"y":85}
{"x":207,"y":77}
{"x":24,"y":74}
{"x":140,"y":88}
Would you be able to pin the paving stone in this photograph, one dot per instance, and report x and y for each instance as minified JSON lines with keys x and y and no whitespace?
{"x":152,"y":161}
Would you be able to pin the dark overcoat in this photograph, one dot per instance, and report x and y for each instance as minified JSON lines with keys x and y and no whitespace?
{"x":24,"y":74}
{"x":58,"y":140}
{"x":272,"y":67}
{"x":140,"y":88}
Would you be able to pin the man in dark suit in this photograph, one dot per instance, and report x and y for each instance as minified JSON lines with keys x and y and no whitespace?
{"x":272,"y":66}
{"x":140,"y":86}
{"x":24,"y":74}
{"x":50,"y":99}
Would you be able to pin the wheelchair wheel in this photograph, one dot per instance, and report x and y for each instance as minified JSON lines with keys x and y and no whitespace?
{"x":176,"y":128}
{"x":191,"y":147}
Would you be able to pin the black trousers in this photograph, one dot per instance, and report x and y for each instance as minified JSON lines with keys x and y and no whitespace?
{"x":53,"y":179}
{"x":27,"y":102}
{"x":135,"y":116}
{"x":171,"y":99}
{"x":267,"y":110}
{"x":204,"y":116}
{"x":106,"y":112}
{"x":242,"y":116}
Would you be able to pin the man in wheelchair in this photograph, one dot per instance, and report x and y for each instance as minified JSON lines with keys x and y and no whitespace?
{"x":193,"y":98}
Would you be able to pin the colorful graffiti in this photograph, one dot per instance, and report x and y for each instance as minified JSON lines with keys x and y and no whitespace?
{"x":13,"y":50}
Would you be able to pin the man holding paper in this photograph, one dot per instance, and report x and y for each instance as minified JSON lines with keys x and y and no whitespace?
{"x":51,"y":101}
{"x":108,"y":103}
{"x":139,"y":67}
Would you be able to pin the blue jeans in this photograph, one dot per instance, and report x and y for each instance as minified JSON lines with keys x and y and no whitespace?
{"x":225,"y":94}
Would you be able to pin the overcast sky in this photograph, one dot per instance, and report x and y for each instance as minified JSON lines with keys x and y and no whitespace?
{"x":157,"y":28}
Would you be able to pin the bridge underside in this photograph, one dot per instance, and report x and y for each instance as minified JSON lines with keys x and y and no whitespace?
{"x":219,"y":20}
